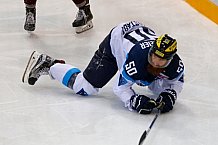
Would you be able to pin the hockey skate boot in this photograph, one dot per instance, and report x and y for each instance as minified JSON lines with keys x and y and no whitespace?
{"x":38,"y":65}
{"x":83,"y":21}
{"x":30,"y":19}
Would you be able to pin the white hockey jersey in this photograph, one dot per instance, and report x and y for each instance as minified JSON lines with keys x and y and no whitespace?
{"x":130,"y":43}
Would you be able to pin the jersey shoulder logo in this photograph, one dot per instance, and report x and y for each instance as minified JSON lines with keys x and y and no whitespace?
{"x":82,"y":92}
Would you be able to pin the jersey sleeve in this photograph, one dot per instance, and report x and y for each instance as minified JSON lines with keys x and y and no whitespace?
{"x":123,"y":89}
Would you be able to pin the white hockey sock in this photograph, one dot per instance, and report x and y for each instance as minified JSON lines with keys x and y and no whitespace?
{"x":63,"y":72}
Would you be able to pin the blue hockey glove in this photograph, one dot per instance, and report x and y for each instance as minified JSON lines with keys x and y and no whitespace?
{"x":142,"y":104}
{"x":168,"y":98}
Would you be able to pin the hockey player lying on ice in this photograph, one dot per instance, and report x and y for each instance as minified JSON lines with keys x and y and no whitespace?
{"x":137,"y":53}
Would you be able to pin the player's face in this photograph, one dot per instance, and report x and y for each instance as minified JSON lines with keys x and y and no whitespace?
{"x":158,"y":62}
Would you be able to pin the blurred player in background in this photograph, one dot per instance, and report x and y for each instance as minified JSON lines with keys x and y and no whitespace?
{"x":137,"y":53}
{"x":82,"y":22}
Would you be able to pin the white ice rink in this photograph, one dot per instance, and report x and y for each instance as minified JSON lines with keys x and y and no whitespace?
{"x":50,"y":114}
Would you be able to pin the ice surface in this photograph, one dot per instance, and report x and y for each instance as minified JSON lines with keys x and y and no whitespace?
{"x":50,"y":114}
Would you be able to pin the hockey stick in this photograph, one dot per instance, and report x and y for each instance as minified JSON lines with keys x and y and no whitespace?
{"x":146,"y":132}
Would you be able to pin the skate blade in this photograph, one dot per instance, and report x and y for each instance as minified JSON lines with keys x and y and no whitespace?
{"x":31,"y":62}
{"x":29,"y":29}
{"x":84,"y":28}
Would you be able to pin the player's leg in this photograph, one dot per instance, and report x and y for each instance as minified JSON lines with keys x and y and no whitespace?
{"x":103,"y":65}
{"x":100,"y":70}
{"x":42,"y":64}
{"x":30,"y":20}
{"x":72,"y":78}
{"x":84,"y":16}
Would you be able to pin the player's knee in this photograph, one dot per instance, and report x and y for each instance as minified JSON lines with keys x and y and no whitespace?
{"x":83,"y":87}
{"x":72,"y":78}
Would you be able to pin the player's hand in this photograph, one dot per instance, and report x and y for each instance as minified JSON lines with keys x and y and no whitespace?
{"x":168,"y":98}
{"x":142,"y":104}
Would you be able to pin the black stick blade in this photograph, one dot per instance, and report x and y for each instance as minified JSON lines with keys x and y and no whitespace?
{"x":142,"y":137}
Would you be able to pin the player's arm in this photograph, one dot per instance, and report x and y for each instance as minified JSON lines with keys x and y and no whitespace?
{"x":134,"y":102}
{"x":123,"y":89}
{"x":171,"y":87}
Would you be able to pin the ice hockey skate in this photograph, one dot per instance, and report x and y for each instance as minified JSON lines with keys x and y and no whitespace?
{"x":38,"y":64}
{"x":83,"y":21}
{"x":30,"y":19}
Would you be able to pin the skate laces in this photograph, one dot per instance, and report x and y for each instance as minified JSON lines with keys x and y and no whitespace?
{"x":43,"y":71}
{"x":30,"y":18}
{"x":42,"y":66}
{"x":80,"y":15}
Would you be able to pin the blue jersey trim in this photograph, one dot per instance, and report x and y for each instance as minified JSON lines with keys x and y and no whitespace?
{"x":127,"y":77}
{"x":122,"y":80}
{"x":68,"y":75}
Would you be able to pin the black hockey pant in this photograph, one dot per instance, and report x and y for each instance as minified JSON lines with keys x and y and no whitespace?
{"x":103,"y":65}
